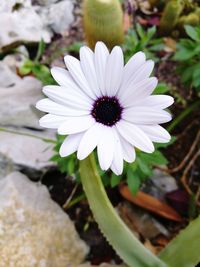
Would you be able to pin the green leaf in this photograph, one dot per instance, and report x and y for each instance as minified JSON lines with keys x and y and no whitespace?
{"x":156,"y":158}
{"x":192,"y":32}
{"x":161,"y":89}
{"x":128,"y":247}
{"x":183,"y":250}
{"x":40,"y":51}
{"x":115,"y":180}
{"x":133,"y":181}
{"x":143,"y":164}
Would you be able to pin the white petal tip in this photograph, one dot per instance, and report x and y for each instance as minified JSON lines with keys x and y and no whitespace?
{"x":80,"y":156}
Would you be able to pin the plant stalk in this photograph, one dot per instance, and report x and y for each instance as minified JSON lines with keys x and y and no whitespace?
{"x":114,"y":229}
{"x":183,"y":251}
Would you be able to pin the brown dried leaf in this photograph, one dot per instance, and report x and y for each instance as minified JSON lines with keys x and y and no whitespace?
{"x":150,"y":203}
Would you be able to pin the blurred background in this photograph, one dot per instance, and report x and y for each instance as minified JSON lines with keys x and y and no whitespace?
{"x":34,"y":36}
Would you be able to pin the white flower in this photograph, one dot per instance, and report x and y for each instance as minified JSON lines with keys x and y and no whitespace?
{"x":102,"y":103}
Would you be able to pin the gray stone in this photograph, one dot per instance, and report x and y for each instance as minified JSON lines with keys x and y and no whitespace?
{"x":141,"y":222}
{"x":22,"y":26}
{"x":58,"y":16}
{"x":34,"y":231}
{"x":45,"y":2}
{"x":26,"y":151}
{"x":164,"y":181}
{"x":8,"y":77}
{"x":18,"y":102}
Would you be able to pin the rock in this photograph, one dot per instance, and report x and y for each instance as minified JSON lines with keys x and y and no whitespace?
{"x":6,"y":166}
{"x":22,"y":26}
{"x":163,"y":181}
{"x":159,"y":184}
{"x":45,"y":2}
{"x":8,"y":77}
{"x":18,"y":102}
{"x":141,"y":222}
{"x":16,"y":60}
{"x":58,"y":16}
{"x":34,"y":231}
{"x":26,"y":151}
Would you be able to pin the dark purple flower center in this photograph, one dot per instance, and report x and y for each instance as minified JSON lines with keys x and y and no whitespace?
{"x":107,"y":110}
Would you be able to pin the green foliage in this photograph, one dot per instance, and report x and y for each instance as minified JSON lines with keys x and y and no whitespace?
{"x":35,"y":68}
{"x":188,"y":56}
{"x":161,"y":88}
{"x":134,"y":174}
{"x":142,"y":168}
{"x":170,"y":16}
{"x":68,"y":165}
{"x":139,"y":39}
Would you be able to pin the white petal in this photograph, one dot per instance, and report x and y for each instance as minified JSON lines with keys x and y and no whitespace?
{"x":156,"y":101}
{"x":144,"y":71}
{"x":117,"y":164}
{"x":75,"y":70}
{"x":131,"y":67}
{"x":87,"y":65}
{"x":128,"y":150}
{"x":145,"y":115}
{"x":76,"y":125}
{"x":114,"y":71}
{"x":52,"y":121}
{"x":70,"y":144}
{"x":137,"y":92}
{"x":156,"y":133}
{"x":61,"y":76}
{"x":68,"y":97}
{"x":105,"y":148}
{"x":49,"y":106}
{"x":89,"y":141}
{"x":135,"y":136}
{"x":100,"y":58}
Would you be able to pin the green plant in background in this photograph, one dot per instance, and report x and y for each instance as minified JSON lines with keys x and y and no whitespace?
{"x":103,"y":21}
{"x":178,"y":13}
{"x":34,"y":67}
{"x":68,"y":165}
{"x":188,"y":56}
{"x":139,"y":39}
{"x":170,"y":16}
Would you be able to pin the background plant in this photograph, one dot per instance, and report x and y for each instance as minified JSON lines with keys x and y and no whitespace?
{"x":188,"y":57}
{"x":139,"y":39}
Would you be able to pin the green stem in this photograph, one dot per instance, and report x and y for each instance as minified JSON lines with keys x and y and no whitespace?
{"x":27,"y":134}
{"x":184,"y":114}
{"x":117,"y":233}
{"x":183,"y":251}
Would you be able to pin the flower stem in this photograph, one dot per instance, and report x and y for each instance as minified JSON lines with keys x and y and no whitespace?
{"x":117,"y":233}
{"x":48,"y":140}
{"x":183,"y":251}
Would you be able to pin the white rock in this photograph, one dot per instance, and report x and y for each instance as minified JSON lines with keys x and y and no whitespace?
{"x":26,"y":151}
{"x":164,"y":182}
{"x":58,"y":16}
{"x":9,"y":5}
{"x":34,"y":231}
{"x":7,"y":77}
{"x":45,"y":2}
{"x":18,"y":101}
{"x":23,"y":25}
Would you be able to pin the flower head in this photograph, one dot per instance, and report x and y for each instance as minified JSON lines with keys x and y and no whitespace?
{"x":101,"y":103}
